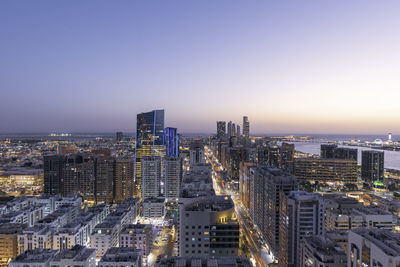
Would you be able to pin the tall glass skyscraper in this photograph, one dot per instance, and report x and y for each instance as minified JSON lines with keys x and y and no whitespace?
{"x":149,"y":141}
{"x":171,"y":141}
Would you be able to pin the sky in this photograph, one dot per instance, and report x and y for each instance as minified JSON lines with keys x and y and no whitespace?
{"x":290,"y":66}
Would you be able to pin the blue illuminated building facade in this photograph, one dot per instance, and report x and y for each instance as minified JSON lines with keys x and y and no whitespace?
{"x":171,"y":141}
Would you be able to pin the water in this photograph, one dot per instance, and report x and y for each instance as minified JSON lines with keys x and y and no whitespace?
{"x":392,"y":158}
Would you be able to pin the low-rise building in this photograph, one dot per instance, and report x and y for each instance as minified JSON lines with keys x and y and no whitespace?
{"x":139,"y":236}
{"x":9,"y":241}
{"x":104,"y":236}
{"x":154,"y":207}
{"x":125,"y":256}
{"x":33,"y":258}
{"x":321,"y":251}
{"x":38,"y":236}
{"x":70,"y":235}
{"x":204,"y":262}
{"x":76,"y":256}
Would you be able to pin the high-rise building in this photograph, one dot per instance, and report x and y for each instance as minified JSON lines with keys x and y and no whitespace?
{"x":119,"y":136}
{"x":221,"y":129}
{"x":208,"y":227}
{"x":171,"y":141}
{"x":267,"y":186}
{"x":196,"y":155}
{"x":149,"y":141}
{"x":172,"y":177}
{"x":328,"y":151}
{"x":52,"y":176}
{"x":346,"y":153}
{"x":372,"y":165}
{"x":233,"y":131}
{"x":104,"y":174}
{"x":302,"y":215}
{"x":246,"y":127}
{"x":123,"y":179}
{"x":238,"y":130}
{"x":151,"y":176}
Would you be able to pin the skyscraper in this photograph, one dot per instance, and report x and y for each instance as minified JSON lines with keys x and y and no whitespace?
{"x":238,"y":130}
{"x":233,"y":130}
{"x":246,"y":127}
{"x":172,"y":176}
{"x":328,"y":151}
{"x":149,"y":141}
{"x":52,"y":166}
{"x":229,"y":132}
{"x":221,"y":129}
{"x":123,"y":179}
{"x":151,"y":176}
{"x":171,"y":141}
{"x":119,"y":136}
{"x":372,"y":165}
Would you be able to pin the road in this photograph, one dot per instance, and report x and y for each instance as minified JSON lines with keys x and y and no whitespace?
{"x":258,"y":251}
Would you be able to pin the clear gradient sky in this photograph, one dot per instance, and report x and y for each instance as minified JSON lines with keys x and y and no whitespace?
{"x":291,"y":66}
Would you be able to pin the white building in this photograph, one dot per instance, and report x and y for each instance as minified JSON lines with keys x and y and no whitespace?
{"x":70,"y":235}
{"x":154,"y":208}
{"x":321,"y":251}
{"x":117,"y":257}
{"x":34,"y":258}
{"x":76,"y":256}
{"x":38,"y":236}
{"x":139,"y":236}
{"x":151,"y":176}
{"x":373,"y":247}
{"x":104,"y":236}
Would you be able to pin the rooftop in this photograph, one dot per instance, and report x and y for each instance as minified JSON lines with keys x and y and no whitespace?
{"x":209,"y":203}
{"x":78,"y":253}
{"x":37,"y":255}
{"x":386,"y":240}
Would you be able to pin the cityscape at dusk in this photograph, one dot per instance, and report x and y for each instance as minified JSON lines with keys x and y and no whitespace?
{"x":199,"y":133}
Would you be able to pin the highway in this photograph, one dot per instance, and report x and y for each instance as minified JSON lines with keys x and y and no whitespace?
{"x":258,"y":251}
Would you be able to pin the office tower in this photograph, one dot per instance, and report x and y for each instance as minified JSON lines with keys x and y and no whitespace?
{"x":302,"y":215}
{"x":171,"y":141}
{"x":104,"y":173}
{"x":78,"y":175}
{"x":149,"y":141}
{"x":246,"y":127}
{"x":52,"y":176}
{"x":326,"y":170}
{"x":328,"y":151}
{"x":346,"y":153}
{"x":233,"y":133}
{"x":119,"y":136}
{"x":372,"y":165}
{"x":287,"y":157}
{"x":123,"y":179}
{"x":373,"y":247}
{"x":221,"y":129}
{"x":197,"y":154}
{"x":267,"y":186}
{"x":208,"y":227}
{"x":238,"y":130}
{"x":172,"y":177}
{"x":151,"y":176}
{"x":229,"y":132}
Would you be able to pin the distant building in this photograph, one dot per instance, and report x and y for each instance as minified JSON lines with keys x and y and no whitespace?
{"x":53,"y":166}
{"x":302,"y":215}
{"x":373,"y":247}
{"x":151,"y":176}
{"x":346,"y":153}
{"x":238,"y":130}
{"x":197,"y":154}
{"x":372,"y":165}
{"x":208,"y":227}
{"x":124,"y":256}
{"x":149,"y":141}
{"x":119,"y":136}
{"x":221,"y":129}
{"x":246,"y":127}
{"x":172,"y":177}
{"x":326,"y":170}
{"x":171,"y":141}
{"x":328,"y":151}
{"x":230,"y":128}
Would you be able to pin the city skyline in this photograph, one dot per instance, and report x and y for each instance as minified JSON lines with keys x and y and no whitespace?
{"x":295,"y":68}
